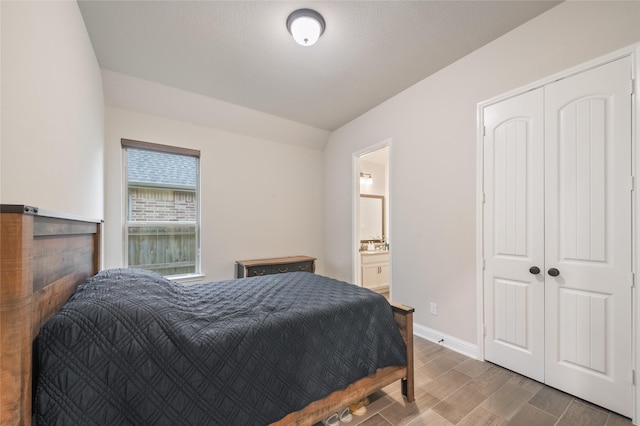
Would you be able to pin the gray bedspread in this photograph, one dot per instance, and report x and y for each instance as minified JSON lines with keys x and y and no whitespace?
{"x":133,"y":348}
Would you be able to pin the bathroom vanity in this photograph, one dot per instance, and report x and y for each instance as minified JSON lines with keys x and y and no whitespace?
{"x":375,"y":270}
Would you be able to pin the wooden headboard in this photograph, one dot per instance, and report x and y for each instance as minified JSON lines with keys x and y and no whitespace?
{"x":44,"y":256}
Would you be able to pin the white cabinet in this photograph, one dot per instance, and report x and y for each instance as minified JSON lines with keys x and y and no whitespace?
{"x":375,"y":271}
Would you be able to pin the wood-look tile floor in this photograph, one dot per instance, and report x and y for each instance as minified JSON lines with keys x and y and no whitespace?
{"x":452,"y":389}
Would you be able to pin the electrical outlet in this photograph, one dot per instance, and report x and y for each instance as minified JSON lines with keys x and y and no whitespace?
{"x":433,"y":308}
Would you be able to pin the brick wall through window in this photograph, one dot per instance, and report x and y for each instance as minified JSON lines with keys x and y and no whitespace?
{"x":150,"y":204}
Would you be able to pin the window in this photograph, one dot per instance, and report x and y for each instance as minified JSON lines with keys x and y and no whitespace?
{"x":162,"y":225}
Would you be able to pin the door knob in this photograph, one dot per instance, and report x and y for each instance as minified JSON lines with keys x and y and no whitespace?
{"x":534,"y":270}
{"x":553,"y":272}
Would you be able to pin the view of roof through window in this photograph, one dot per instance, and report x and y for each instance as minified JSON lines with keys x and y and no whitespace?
{"x":161,"y":169}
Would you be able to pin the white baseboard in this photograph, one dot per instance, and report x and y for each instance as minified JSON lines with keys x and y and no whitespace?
{"x":450,"y":342}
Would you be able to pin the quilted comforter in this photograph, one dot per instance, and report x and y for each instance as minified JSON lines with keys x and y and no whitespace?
{"x":133,"y":348}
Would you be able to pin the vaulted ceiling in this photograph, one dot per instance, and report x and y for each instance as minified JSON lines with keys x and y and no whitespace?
{"x":240,"y":51}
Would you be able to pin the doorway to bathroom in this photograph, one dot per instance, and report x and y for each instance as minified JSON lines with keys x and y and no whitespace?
{"x":371,"y":236}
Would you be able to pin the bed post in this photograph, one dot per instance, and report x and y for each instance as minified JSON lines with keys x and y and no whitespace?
{"x":16,"y":301}
{"x":404,"y":317}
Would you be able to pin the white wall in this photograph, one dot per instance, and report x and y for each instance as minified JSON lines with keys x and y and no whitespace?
{"x":126,"y":92}
{"x":52,"y":135}
{"x":259,"y":198}
{"x":433,"y":162}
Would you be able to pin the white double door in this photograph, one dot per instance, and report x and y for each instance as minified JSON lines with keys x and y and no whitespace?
{"x":557,"y":235}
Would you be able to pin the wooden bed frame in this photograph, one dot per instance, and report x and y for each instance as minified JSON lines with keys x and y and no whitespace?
{"x":44,"y":256}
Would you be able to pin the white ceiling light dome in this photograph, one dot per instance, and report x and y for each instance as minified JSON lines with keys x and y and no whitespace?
{"x":306,"y":26}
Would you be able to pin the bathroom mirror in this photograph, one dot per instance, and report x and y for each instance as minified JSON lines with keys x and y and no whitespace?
{"x":371,"y":218}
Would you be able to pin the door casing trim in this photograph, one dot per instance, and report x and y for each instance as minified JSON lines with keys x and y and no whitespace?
{"x":355,"y":209}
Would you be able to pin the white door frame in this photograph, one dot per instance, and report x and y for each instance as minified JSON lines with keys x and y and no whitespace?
{"x":632,"y":51}
{"x":355,"y":208}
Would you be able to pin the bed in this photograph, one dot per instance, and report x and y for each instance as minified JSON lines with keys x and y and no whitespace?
{"x":45,"y":257}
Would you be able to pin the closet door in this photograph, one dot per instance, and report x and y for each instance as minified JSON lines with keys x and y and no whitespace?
{"x":514,"y":234}
{"x":588,"y":235}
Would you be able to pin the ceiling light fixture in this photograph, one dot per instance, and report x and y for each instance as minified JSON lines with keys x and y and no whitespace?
{"x":306,"y":26}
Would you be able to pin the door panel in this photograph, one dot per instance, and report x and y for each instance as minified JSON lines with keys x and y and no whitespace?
{"x":588,"y":235}
{"x":513,"y":243}
{"x":584,"y":320}
{"x":582,"y":175}
{"x":510,"y":303}
{"x":369,"y":276}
